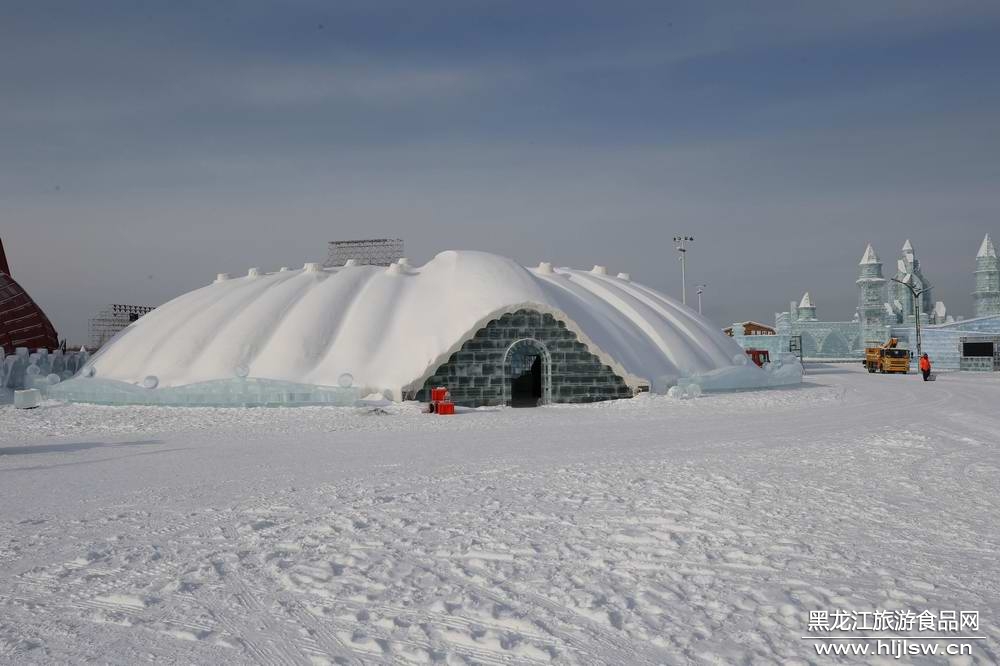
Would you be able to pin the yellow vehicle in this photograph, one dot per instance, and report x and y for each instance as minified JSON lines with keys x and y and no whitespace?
{"x":887,"y":358}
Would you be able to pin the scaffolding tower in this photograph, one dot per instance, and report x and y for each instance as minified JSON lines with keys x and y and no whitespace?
{"x":106,"y":323}
{"x":369,"y":251}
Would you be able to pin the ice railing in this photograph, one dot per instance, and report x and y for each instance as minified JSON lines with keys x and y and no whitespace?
{"x":783,"y":370}
{"x":235,"y":392}
{"x":41,"y":369}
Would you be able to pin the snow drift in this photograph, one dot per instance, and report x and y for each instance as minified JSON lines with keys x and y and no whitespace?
{"x":392,"y":327}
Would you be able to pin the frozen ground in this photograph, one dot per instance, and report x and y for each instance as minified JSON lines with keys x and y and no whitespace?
{"x":647,"y":531}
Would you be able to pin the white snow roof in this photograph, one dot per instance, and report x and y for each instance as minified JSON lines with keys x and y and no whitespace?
{"x":870,"y":257}
{"x":392,"y":328}
{"x":806,"y":302}
{"x":987,"y":249}
{"x":907,"y":246}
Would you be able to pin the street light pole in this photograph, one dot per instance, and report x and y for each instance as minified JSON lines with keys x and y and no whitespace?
{"x":701,"y":290}
{"x":907,"y":282}
{"x":679,"y":246}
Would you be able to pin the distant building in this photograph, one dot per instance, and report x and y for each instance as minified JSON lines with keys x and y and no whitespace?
{"x":22,"y":322}
{"x":365,"y":252}
{"x":749,"y":328}
{"x":114,"y":318}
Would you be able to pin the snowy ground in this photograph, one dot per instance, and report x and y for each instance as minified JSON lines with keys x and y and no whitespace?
{"x":646,"y":531}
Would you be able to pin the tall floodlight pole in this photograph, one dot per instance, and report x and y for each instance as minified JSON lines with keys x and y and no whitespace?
{"x":907,"y":282}
{"x":679,"y":246}
{"x":701,"y":290}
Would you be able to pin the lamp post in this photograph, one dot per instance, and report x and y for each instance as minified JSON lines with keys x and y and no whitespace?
{"x":907,"y":282}
{"x":701,"y":290}
{"x":679,"y":246}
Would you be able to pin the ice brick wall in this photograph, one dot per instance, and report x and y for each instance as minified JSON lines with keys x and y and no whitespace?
{"x":820,"y":339}
{"x":943,"y":343}
{"x":989,"y":325}
{"x":942,"y":346}
{"x":475,"y":373}
{"x":976,"y":364}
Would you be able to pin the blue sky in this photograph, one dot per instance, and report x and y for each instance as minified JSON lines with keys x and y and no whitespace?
{"x":143,"y":150}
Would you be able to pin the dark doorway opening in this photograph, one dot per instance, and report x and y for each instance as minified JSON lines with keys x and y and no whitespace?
{"x":526,"y":379}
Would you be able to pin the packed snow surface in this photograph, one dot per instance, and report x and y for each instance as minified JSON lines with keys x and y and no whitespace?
{"x":645,"y":531}
{"x":391,"y":328}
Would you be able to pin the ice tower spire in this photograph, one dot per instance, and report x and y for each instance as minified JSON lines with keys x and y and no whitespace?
{"x":807,"y":311}
{"x":871,"y":298}
{"x":908,"y":270}
{"x":987,"y":249}
{"x":870,"y":257}
{"x":986,"y":297}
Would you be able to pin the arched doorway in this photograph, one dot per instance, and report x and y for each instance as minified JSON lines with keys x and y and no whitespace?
{"x":527,"y":374}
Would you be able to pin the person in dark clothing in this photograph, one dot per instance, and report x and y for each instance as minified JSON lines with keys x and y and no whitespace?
{"x":925,"y":366}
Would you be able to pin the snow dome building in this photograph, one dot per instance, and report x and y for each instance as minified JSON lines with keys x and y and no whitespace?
{"x":491,"y":330}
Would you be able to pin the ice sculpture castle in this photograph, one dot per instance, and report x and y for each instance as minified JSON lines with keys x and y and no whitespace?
{"x":887,"y":309}
{"x":882,"y":304}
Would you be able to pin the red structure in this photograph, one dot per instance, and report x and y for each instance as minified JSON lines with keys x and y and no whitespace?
{"x":22,"y":322}
{"x":759,"y":356}
{"x":441,"y":401}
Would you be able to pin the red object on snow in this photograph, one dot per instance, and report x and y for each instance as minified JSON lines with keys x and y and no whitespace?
{"x":440,"y":401}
